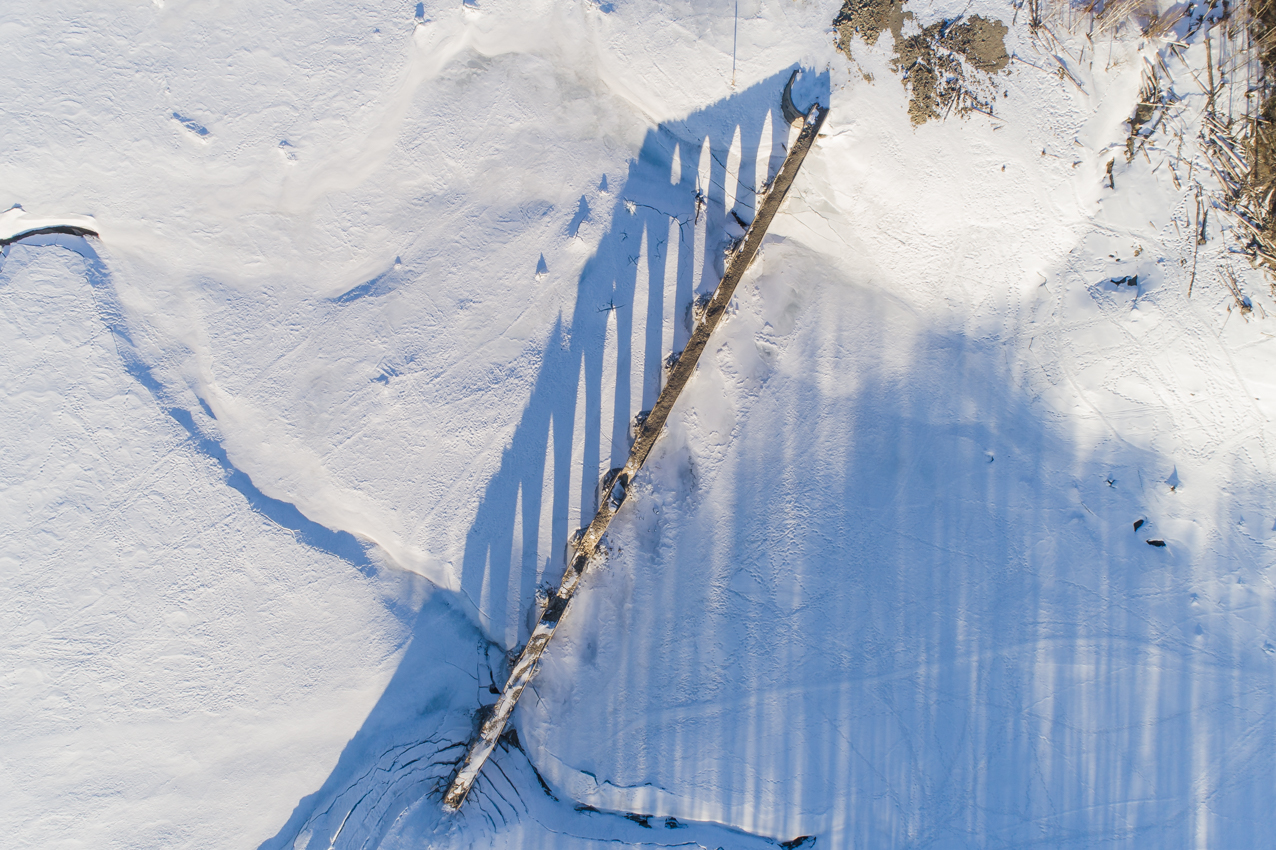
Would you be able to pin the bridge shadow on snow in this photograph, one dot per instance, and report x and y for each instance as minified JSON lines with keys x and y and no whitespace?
{"x":988,"y":668}
{"x":920,"y":614}
{"x":664,"y":243}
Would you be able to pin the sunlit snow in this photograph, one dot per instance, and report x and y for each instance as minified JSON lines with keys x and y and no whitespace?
{"x":291,"y":451}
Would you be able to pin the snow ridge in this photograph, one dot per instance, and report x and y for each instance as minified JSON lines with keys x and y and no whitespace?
{"x":336,"y":542}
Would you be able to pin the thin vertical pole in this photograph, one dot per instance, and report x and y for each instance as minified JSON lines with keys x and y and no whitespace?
{"x":735,"y":41}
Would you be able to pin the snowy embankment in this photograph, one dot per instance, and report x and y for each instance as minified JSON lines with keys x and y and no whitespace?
{"x":377,"y":292}
{"x":16,"y":224}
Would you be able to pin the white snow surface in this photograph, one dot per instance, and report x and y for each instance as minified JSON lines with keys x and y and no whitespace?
{"x":288,"y":451}
{"x":15,"y":223}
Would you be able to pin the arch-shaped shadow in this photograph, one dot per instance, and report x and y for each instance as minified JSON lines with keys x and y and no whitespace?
{"x":681,"y":203}
{"x":679,"y":207}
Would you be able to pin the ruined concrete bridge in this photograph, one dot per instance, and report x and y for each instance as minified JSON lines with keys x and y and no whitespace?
{"x":615,"y":487}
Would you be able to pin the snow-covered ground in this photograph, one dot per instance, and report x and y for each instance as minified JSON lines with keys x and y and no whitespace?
{"x":288,"y":451}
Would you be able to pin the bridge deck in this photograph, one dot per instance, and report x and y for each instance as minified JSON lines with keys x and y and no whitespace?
{"x":588,"y":545}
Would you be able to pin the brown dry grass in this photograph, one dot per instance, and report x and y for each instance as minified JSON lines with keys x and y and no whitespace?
{"x":1240,"y":128}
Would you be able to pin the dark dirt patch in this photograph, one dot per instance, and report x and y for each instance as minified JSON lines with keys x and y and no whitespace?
{"x":945,"y":66}
{"x":869,"y":19}
{"x":982,"y":41}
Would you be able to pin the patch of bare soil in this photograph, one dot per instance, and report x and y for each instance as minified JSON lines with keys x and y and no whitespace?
{"x":947,"y":66}
{"x":982,"y":41}
{"x":869,"y":19}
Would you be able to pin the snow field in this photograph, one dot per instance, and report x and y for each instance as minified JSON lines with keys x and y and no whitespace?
{"x":373,"y":281}
{"x":166,"y":643}
{"x":908,"y":489}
